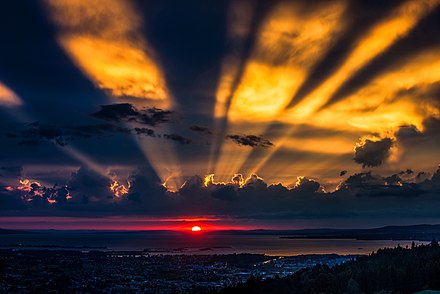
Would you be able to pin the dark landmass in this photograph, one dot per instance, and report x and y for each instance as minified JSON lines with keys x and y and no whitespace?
{"x":10,"y":232}
{"x":397,"y":270}
{"x":415,"y":232}
{"x":51,"y":246}
{"x":422,"y":232}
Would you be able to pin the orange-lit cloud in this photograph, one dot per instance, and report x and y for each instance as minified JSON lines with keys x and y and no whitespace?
{"x":8,"y":97}
{"x":26,"y":185}
{"x":105,"y":40}
{"x":208,"y":180}
{"x":118,"y":189}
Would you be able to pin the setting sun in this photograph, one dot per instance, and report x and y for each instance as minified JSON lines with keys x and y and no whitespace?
{"x":196,"y":229}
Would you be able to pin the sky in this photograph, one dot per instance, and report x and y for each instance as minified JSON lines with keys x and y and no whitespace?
{"x":239,"y":114}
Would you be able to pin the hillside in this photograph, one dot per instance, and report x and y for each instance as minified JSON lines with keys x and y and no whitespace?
{"x":397,"y":270}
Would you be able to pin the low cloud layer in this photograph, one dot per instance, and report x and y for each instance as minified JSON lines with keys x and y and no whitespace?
{"x":87,"y":193}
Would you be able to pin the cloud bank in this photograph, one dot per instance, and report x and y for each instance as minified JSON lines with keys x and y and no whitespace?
{"x":86,"y":193}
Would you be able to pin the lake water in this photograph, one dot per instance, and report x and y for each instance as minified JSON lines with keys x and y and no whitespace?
{"x":202,"y":243}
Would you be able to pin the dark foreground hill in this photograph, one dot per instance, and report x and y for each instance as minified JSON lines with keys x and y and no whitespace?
{"x":397,"y":270}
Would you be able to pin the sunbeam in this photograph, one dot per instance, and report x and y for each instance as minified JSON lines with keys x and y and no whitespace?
{"x":114,"y":54}
{"x":8,"y":97}
{"x":290,"y":42}
{"x":375,"y":41}
{"x":118,"y":58}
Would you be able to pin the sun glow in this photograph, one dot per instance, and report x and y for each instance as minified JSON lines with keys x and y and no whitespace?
{"x":196,"y":229}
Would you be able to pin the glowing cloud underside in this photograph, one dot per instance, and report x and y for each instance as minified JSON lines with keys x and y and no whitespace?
{"x":8,"y":97}
{"x":106,"y":42}
{"x":290,"y":42}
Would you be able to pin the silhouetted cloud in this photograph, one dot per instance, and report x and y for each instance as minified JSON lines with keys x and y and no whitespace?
{"x":255,"y":182}
{"x":177,"y":138}
{"x":145,"y":131}
{"x":201,"y":129}
{"x":96,"y":130}
{"x":89,"y":186}
{"x":373,"y":153}
{"x":126,"y":112}
{"x":36,"y":133}
{"x":250,"y":140}
{"x":360,"y":194}
{"x":11,"y":171}
{"x":371,"y":185}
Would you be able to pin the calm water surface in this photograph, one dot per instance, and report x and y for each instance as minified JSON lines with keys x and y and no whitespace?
{"x":203,"y":243}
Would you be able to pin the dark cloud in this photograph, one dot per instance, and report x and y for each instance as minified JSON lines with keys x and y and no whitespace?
{"x":228,"y":193}
{"x":255,"y":182}
{"x":126,"y":112}
{"x":10,"y":200}
{"x":410,"y":134}
{"x":250,"y":140}
{"x":116,"y":112}
{"x":405,"y":132}
{"x":342,"y":173}
{"x":146,"y":187}
{"x":361,"y":180}
{"x":402,"y":184}
{"x":307,"y":186}
{"x":422,"y":176}
{"x":177,"y":138}
{"x":88,"y":192}
{"x":89,"y":186}
{"x":39,"y":133}
{"x":36,"y":133}
{"x":145,"y":131}
{"x":10,"y":171}
{"x":201,"y":129}
{"x":88,"y":131}
{"x":373,"y":153}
